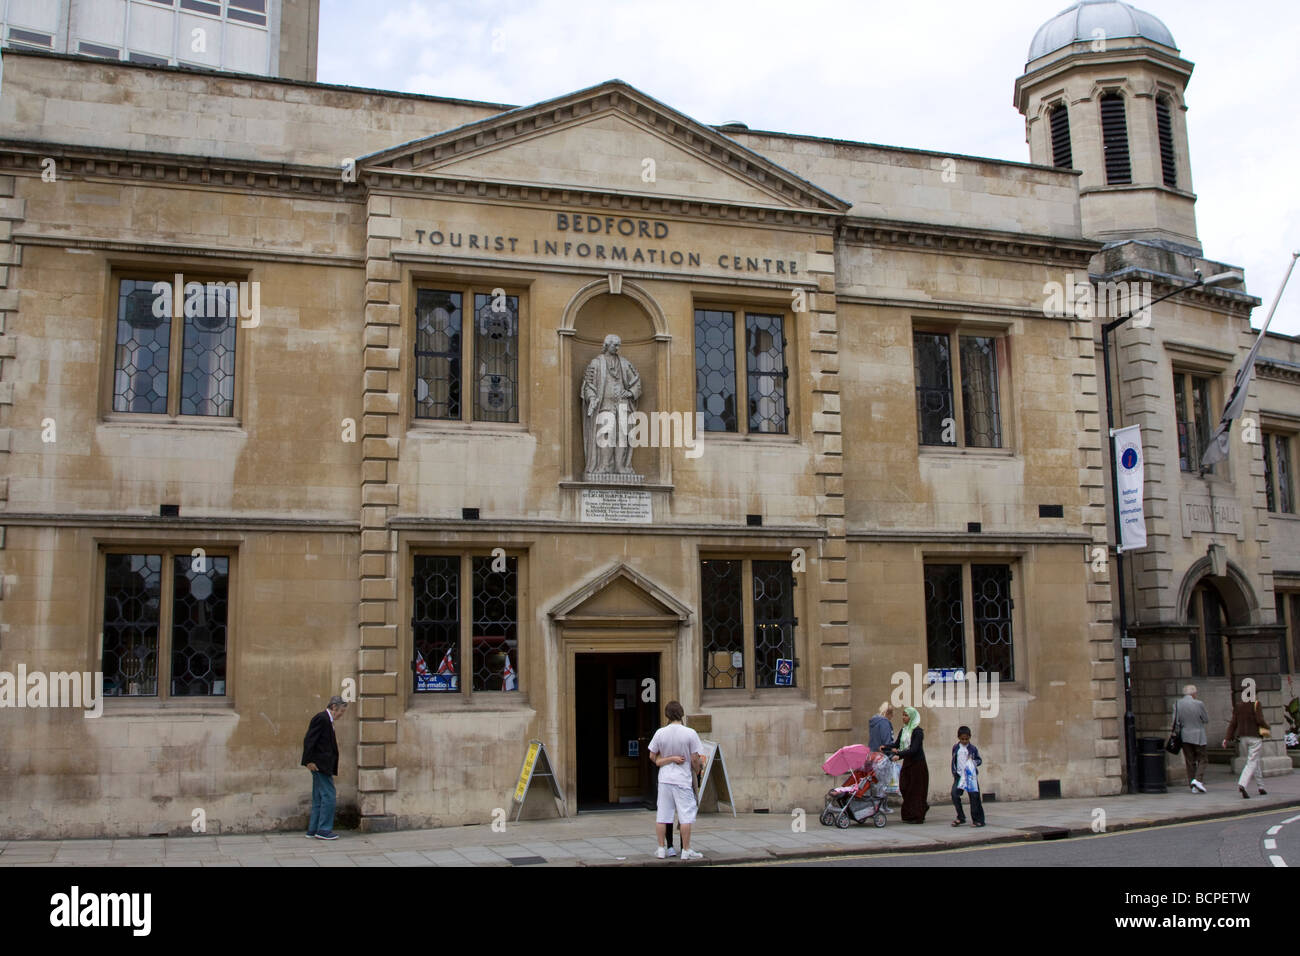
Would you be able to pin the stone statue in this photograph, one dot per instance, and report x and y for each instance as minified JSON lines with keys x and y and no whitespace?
{"x":610,"y":390}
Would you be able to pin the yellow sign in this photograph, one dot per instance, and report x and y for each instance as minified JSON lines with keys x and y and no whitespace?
{"x":529,"y":759}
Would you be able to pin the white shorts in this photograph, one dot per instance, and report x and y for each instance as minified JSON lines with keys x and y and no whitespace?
{"x":681,"y":799}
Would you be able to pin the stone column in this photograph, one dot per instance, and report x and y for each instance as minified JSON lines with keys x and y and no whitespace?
{"x":832,"y":615}
{"x":378,"y":666}
{"x":11,"y":210}
{"x":1093,"y":447}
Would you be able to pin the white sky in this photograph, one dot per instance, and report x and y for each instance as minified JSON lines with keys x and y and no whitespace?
{"x":929,"y":74}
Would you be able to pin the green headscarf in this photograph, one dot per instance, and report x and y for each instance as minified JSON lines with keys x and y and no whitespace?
{"x":913,"y":721}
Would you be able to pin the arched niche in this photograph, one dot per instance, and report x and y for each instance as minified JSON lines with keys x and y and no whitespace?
{"x":604,"y":307}
{"x":1233,"y":589}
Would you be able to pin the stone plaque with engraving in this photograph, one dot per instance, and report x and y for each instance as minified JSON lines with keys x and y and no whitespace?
{"x":1215,"y":515}
{"x":613,"y":506}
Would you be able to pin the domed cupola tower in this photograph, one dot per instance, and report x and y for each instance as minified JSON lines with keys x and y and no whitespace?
{"x":1102,"y":93}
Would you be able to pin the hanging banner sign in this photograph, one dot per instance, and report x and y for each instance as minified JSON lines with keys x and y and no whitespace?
{"x":1129,"y":484}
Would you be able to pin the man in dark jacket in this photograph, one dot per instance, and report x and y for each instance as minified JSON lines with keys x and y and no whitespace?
{"x":320,"y":755}
{"x":1246,"y":726}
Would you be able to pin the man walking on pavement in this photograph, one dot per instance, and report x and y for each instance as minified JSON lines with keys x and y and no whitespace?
{"x":1249,"y":726}
{"x":671,"y":748}
{"x":320,"y":755}
{"x":1190,"y":720}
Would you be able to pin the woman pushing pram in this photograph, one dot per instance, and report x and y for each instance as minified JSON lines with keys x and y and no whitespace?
{"x":861,"y":797}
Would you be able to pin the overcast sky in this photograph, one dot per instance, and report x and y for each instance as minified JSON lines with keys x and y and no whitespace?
{"x":928,"y":74}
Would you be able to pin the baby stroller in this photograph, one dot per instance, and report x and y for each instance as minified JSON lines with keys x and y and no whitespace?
{"x":862,"y":795}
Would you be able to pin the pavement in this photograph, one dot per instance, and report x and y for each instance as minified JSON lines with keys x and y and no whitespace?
{"x":626,"y":837}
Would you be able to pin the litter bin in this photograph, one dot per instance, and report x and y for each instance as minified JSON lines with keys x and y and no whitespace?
{"x":1151,"y":765}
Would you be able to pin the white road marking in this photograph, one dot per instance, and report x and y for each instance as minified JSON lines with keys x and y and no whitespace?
{"x":1277,"y":860}
{"x":1270,"y":844}
{"x":1273,"y":831}
{"x":1292,"y":819}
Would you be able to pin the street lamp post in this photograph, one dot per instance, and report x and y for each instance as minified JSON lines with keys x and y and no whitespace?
{"x":1130,"y":722}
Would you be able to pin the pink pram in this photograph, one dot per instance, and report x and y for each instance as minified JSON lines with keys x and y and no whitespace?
{"x":861,"y":797}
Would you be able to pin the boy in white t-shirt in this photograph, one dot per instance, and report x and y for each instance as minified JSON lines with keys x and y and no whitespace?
{"x":670,"y":748}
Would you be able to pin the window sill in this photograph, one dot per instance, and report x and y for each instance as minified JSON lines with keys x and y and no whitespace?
{"x":197,"y":423}
{"x":484,"y":702}
{"x":943,"y":451}
{"x":718,"y":698}
{"x":425,"y":428}
{"x":732,"y":438}
{"x":168,"y":707}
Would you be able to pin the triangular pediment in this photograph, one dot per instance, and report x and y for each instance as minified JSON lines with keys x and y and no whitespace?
{"x":620,"y":595}
{"x":611,"y":138}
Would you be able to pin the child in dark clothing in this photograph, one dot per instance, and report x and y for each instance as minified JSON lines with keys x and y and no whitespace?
{"x":965,"y":777}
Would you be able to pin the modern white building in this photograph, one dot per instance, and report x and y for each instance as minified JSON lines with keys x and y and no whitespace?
{"x":264,"y":37}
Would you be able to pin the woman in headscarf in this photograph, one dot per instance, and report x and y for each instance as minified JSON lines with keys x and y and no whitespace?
{"x":914,"y":780}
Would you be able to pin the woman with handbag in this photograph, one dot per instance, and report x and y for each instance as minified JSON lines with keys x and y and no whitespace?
{"x":1249,"y":726}
{"x":1190,"y":720}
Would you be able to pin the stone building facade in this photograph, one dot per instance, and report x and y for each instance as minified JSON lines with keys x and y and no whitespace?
{"x":887,"y":457}
{"x":1104,"y":90}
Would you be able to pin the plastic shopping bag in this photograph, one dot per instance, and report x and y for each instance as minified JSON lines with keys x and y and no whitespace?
{"x":970,"y":779}
{"x":891,"y":780}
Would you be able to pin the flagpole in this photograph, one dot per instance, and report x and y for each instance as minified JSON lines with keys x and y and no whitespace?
{"x":1216,"y":449}
{"x":1280,"y":289}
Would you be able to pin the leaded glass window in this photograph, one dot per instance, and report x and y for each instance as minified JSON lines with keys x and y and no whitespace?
{"x":435,"y":623}
{"x":156,"y":353}
{"x":1192,"y":410}
{"x":1279,"y":484}
{"x":979,"y":391}
{"x":143,"y":349}
{"x":774,"y":620}
{"x":715,"y":369}
{"x":171,"y":606}
{"x":200,"y":604}
{"x":496,"y":358}
{"x":437,"y":354}
{"x":722,"y":622}
{"x":208,"y":357}
{"x":1283,"y":643}
{"x":945,"y":627}
{"x":992,"y":604}
{"x":1269,"y":495}
{"x":765,"y":360}
{"x":132,"y":605}
{"x":748,"y":623}
{"x":968,"y":617}
{"x":496,"y":623}
{"x":931,"y":355}
{"x":487,"y":633}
